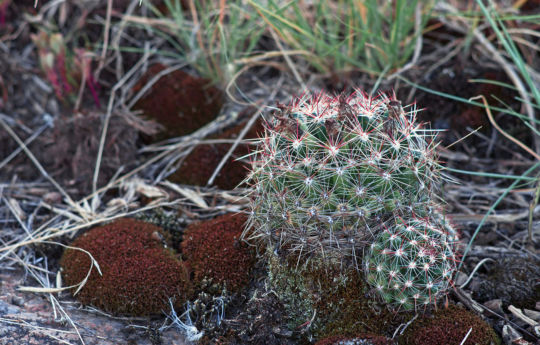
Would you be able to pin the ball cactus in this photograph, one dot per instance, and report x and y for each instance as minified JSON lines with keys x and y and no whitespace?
{"x":411,"y":263}
{"x":332,"y":172}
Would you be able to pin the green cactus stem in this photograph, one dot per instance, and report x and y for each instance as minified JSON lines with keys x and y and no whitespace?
{"x":330,"y":170}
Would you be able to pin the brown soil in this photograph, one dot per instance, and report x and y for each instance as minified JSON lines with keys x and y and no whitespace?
{"x":443,"y":113}
{"x":515,"y":281}
{"x":70,"y":152}
{"x":256,"y":317}
{"x":28,"y":318}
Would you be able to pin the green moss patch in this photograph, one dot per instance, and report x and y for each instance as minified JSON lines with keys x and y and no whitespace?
{"x":329,"y":299}
{"x":215,"y":252}
{"x":139,"y":274}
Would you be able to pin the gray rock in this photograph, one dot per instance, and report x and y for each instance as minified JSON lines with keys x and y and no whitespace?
{"x":6,"y":308}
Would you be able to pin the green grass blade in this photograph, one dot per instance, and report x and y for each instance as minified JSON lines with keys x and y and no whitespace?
{"x":492,"y":208}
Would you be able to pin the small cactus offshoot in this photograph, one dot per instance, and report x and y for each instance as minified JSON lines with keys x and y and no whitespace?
{"x":411,"y":263}
{"x":332,"y":172}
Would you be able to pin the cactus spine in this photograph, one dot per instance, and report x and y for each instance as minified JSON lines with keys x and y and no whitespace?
{"x":332,"y":173}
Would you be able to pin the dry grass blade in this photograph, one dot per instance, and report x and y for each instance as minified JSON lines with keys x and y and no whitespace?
{"x":110,"y":105}
{"x":514,"y":140}
{"x":106,"y":33}
{"x":290,"y":63}
{"x":466,"y":336}
{"x":27,"y":142}
{"x":46,"y":331}
{"x":188,"y":193}
{"x":244,"y":131}
{"x":519,"y":314}
{"x":37,"y":164}
{"x":463,"y":138}
{"x":532,"y":208}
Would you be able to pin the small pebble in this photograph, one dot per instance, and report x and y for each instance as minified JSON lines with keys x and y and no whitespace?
{"x":17,"y":300}
{"x":282,"y":332}
{"x":460,"y":278}
{"x":511,"y":336}
{"x":6,"y":308}
{"x":535,"y":315}
{"x":495,"y":305}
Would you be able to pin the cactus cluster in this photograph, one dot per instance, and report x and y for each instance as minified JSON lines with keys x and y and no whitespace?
{"x":336,"y":176}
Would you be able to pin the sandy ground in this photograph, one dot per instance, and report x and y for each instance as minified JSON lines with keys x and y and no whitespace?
{"x":28,"y":318}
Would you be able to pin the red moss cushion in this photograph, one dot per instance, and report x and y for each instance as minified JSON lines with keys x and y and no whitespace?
{"x":201,"y":163}
{"x":199,"y":166}
{"x":180,"y":102}
{"x":214,"y":251}
{"x":450,"y":326}
{"x":139,"y":274}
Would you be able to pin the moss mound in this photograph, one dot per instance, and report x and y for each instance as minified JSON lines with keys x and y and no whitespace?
{"x":180,"y":102}
{"x":139,"y":274}
{"x":199,"y":166}
{"x":215,"y":252}
{"x":330,"y":300}
{"x":450,"y":325}
{"x":514,"y":280}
